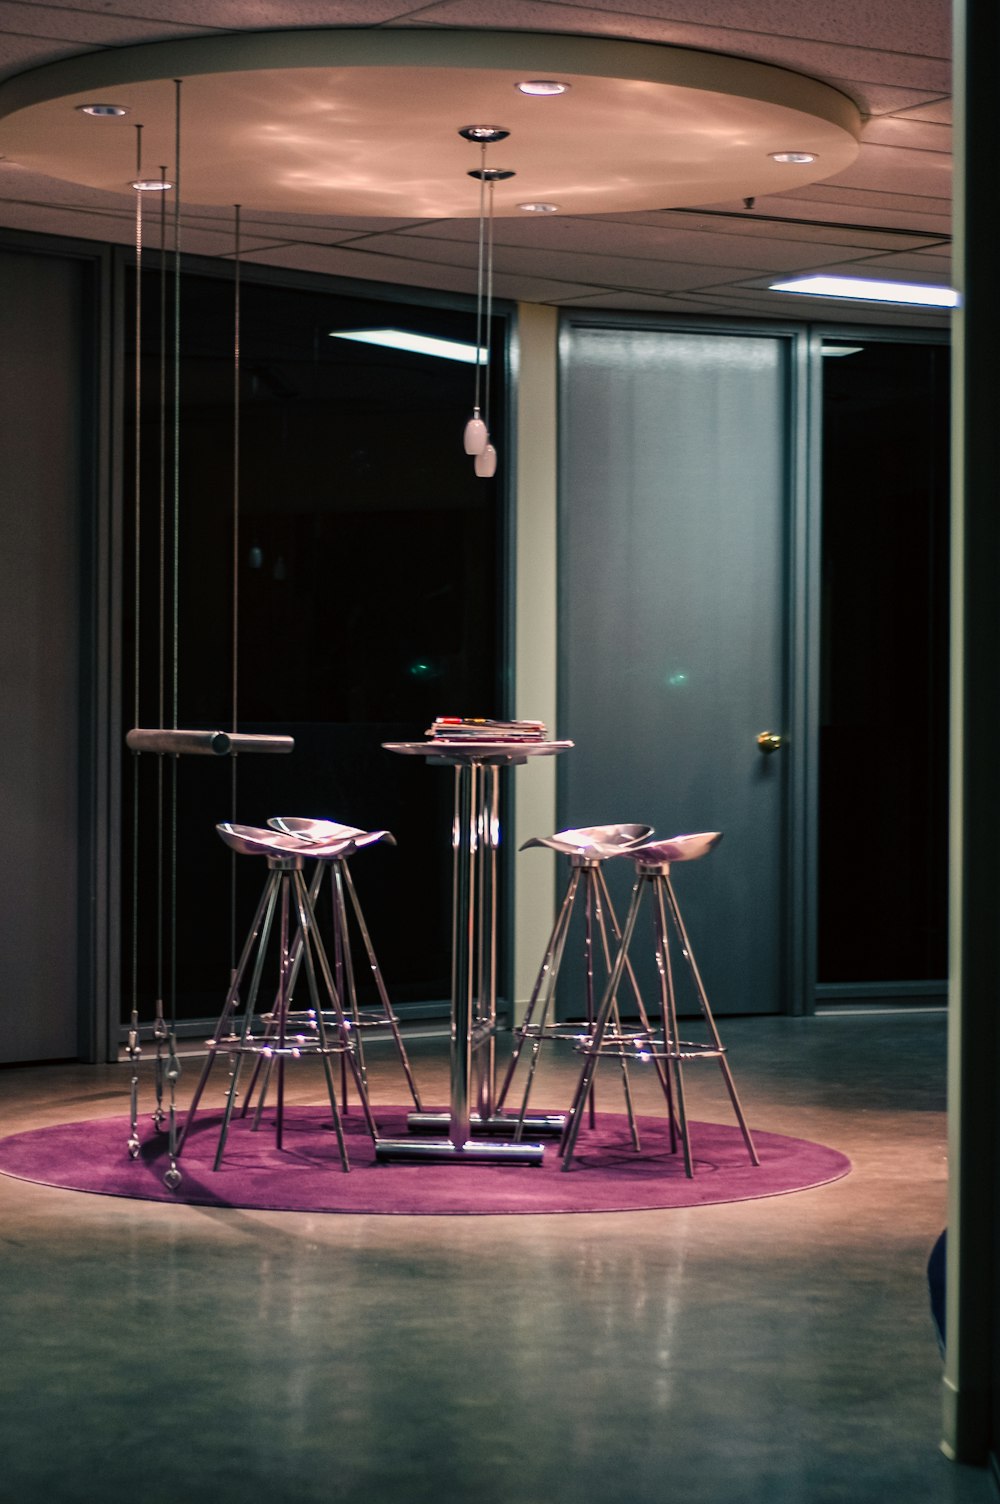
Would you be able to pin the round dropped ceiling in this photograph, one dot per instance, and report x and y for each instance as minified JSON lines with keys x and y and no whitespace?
{"x":365,"y":123}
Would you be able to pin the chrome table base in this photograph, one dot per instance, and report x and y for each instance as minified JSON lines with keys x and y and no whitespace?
{"x":475,"y":838}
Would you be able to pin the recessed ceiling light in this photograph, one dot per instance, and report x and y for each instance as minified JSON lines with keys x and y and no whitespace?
{"x":113,"y":110}
{"x":414,"y":344}
{"x":792,"y":157}
{"x":151,"y":185}
{"x":539,"y":208}
{"x":541,"y":86}
{"x":868,"y":290}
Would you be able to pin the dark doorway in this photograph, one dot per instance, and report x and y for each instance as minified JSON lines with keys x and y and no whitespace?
{"x":884,"y":682}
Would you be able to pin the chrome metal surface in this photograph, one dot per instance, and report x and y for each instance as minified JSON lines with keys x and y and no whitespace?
{"x":657,"y":856}
{"x":550,"y":1123}
{"x":328,"y":834}
{"x":664,"y":1046}
{"x":593,"y":842}
{"x":279,"y":1042}
{"x":475,"y":836}
{"x":256,"y":840}
{"x":769,"y":741}
{"x":330,"y":843}
{"x":204,"y":743}
{"x":587,"y":848}
{"x":476,"y":1151}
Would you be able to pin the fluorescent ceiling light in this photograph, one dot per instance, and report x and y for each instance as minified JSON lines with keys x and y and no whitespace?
{"x":415,"y":344}
{"x":868,"y":290}
{"x":841,"y":349}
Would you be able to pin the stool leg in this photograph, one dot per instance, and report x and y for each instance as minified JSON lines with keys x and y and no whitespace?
{"x":658,"y":1065}
{"x":343,"y":974}
{"x":262,"y":1066}
{"x":251,"y":1003}
{"x":376,"y":971}
{"x":588,"y":973}
{"x":551,"y":979}
{"x":311,"y":940}
{"x":626,"y":1082}
{"x":709,"y":1020}
{"x":544,"y":987}
{"x":669,"y":1015}
{"x":591,"y":1058}
{"x":310,"y":931}
{"x":265,"y":909}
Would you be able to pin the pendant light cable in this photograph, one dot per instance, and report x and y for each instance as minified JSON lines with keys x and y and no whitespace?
{"x":161,"y":581}
{"x":236,"y":573}
{"x":133,"y":1045}
{"x":479,"y":275}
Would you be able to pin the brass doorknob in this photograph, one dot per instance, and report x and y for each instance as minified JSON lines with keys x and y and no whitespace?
{"x":768,"y":742}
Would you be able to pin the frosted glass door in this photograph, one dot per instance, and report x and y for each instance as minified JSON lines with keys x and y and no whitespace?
{"x":673,"y":504}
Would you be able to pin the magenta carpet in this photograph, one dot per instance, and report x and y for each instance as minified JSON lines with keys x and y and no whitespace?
{"x":607,"y":1175}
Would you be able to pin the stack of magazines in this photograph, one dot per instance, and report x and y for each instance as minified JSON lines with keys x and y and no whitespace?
{"x":456,"y":728}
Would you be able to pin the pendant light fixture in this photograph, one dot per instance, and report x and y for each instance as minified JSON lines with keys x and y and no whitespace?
{"x":477,"y":433}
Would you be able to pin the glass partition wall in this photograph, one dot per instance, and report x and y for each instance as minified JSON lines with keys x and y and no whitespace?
{"x":369,"y":568}
{"x":883,"y":771}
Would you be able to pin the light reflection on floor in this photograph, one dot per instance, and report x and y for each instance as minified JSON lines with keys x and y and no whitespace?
{"x":777,"y":1350}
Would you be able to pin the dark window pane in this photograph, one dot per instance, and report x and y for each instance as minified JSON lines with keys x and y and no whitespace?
{"x":369,"y":569}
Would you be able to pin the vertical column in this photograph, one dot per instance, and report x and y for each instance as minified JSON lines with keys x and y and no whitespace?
{"x":535,"y":616}
{"x":970,"y":1421}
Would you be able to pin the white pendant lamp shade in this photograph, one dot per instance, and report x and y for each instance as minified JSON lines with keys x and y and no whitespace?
{"x":486,"y":463}
{"x":476,"y":436}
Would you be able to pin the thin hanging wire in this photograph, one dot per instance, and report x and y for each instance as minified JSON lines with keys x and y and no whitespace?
{"x":236,"y":572}
{"x":161,"y":592}
{"x":175,"y":623}
{"x":489,"y":305}
{"x":136,"y":640}
{"x":479,"y":272}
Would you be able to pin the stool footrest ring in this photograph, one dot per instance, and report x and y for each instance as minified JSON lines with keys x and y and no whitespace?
{"x":643,"y":1047}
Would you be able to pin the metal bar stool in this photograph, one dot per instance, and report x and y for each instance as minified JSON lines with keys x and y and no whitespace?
{"x":362,"y":1017}
{"x":663,"y":1045}
{"x":287,"y":1035}
{"x":587,"y":848}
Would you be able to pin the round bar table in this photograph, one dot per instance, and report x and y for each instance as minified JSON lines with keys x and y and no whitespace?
{"x":475,"y":837}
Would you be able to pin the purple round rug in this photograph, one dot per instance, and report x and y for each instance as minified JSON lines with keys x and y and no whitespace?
{"x":607,"y":1175}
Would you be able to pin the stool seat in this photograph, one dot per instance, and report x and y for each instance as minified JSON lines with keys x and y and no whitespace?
{"x":593,"y":842}
{"x":329,"y":833}
{"x":658,"y":855}
{"x":255,"y":840}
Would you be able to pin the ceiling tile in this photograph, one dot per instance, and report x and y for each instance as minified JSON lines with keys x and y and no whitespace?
{"x":96,"y":27}
{"x":880,"y":62}
{"x":907,"y":131}
{"x":708,"y":243}
{"x":928,"y":268}
{"x":922,"y":174}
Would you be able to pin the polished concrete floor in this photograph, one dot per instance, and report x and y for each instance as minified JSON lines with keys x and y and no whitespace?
{"x":777,"y":1350}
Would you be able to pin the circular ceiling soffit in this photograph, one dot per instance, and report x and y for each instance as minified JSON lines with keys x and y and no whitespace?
{"x":366,"y":122}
